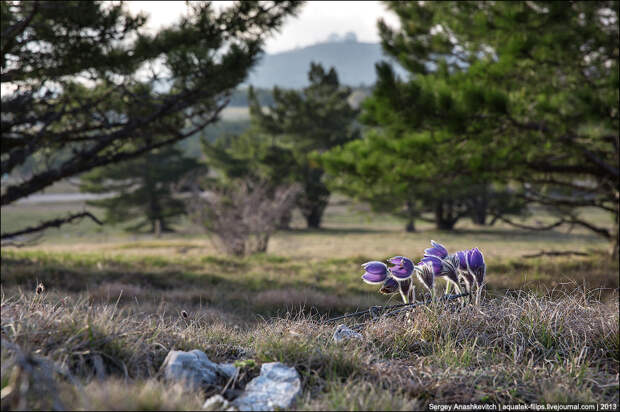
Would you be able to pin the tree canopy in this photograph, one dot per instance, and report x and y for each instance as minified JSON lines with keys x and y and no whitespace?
{"x":521,"y":92}
{"x":84,"y":85}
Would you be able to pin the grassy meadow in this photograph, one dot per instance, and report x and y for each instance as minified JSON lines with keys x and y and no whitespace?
{"x":547,"y":330}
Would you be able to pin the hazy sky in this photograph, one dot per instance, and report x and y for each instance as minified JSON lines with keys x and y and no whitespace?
{"x":315,"y":22}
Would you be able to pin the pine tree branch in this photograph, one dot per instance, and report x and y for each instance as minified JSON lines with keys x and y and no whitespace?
{"x":92,"y":157}
{"x":51,"y":223}
{"x":11,"y":32}
{"x":528,"y":227}
{"x":601,"y":231}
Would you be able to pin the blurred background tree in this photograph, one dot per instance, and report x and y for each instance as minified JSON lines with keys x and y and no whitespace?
{"x":254,"y":157}
{"x":88,"y":86}
{"x":251,"y":189}
{"x":408,"y":175}
{"x":316,"y":118}
{"x":510,"y":92}
{"x":143,"y":189}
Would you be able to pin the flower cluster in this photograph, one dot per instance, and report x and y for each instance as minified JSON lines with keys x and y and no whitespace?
{"x":464,"y":270}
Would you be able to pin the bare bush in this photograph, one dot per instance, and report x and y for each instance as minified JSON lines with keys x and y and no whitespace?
{"x":244,"y":214}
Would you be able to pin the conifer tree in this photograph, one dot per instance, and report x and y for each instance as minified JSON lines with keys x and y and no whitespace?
{"x":314,"y":119}
{"x":85,"y":85}
{"x":143,"y":189}
{"x":515,"y":92}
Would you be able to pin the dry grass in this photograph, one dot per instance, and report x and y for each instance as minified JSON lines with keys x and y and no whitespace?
{"x":515,"y":348}
{"x":111,"y":311}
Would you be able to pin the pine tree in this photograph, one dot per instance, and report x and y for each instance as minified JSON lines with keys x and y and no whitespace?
{"x":84,"y":85}
{"x":143,"y":189}
{"x":314,"y":119}
{"x":511,"y":92}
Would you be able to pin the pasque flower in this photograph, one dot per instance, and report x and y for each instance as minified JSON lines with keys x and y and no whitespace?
{"x":478,"y":270}
{"x":376,"y":272}
{"x":394,"y":279}
{"x":402,"y":269}
{"x":444,"y":265}
{"x":476,"y":265}
{"x":437,"y":249}
{"x":462,"y":255}
{"x":434,"y":261}
{"x":466,"y":266}
{"x":426,"y":275}
{"x":405,"y":287}
{"x":450,"y":271}
{"x":389,"y":286}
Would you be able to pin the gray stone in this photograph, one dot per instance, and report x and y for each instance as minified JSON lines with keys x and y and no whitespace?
{"x":194,"y":369}
{"x":218,"y":403}
{"x":277,"y":386}
{"x":344,"y":333}
{"x":228,"y":369}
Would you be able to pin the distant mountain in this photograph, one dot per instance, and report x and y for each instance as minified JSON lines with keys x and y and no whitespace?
{"x":354,"y":61}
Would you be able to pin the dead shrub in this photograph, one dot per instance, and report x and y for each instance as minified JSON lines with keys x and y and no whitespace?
{"x":243,"y":214}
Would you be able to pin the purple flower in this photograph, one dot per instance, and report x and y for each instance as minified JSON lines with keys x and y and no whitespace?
{"x":462,"y":255}
{"x":376,"y":272}
{"x":436,"y":250}
{"x":434,"y":261}
{"x":463,"y":267}
{"x":475,"y":258}
{"x":426,"y":275}
{"x":450,"y":268}
{"x":468,"y":279}
{"x":405,"y":285}
{"x":389,"y":286}
{"x":476,"y":265}
{"x":402,"y":269}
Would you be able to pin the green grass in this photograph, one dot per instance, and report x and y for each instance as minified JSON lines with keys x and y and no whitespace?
{"x":547,"y":330}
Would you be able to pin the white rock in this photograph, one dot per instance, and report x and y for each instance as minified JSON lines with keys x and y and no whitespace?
{"x":194,"y":368}
{"x":344,"y":333}
{"x":277,"y":386}
{"x":218,"y":403}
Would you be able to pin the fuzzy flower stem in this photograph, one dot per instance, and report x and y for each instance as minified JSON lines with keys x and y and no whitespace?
{"x":399,"y":307}
{"x":478,"y":294}
{"x":403,"y":294}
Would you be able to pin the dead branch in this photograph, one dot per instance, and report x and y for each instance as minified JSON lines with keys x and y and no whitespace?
{"x":242,"y":215}
{"x":555,"y":253}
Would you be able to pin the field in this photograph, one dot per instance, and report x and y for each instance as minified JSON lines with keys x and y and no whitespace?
{"x":547,"y":330}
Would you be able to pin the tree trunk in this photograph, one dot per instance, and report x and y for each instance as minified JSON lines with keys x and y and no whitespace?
{"x":443,"y":216}
{"x":154,"y":209}
{"x":313,"y":219}
{"x":285,"y":220}
{"x":410,"y":227}
{"x":157,"y":228}
{"x":314,"y":199}
{"x":445,"y":224}
{"x":613,"y":251}
{"x":480,"y":206}
{"x":263,"y":241}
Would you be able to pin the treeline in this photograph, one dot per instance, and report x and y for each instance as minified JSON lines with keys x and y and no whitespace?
{"x":239,"y":97}
{"x":491,"y":118}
